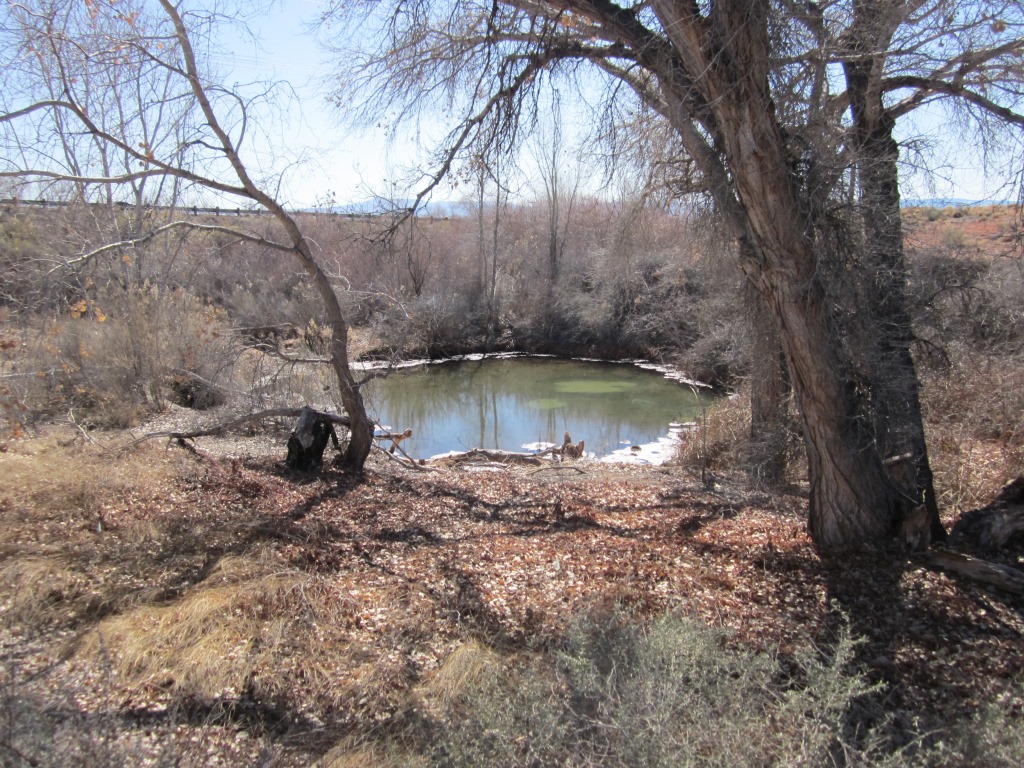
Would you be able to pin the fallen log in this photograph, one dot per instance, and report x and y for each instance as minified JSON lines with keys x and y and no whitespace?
{"x":497,"y":456}
{"x":994,"y":574}
{"x":987,"y":529}
{"x":991,"y":527}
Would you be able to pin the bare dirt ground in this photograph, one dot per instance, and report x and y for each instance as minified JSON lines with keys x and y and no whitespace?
{"x":224,"y":610}
{"x":983,"y":231}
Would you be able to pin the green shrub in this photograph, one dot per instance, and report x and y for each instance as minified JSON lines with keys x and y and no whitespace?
{"x":993,"y":738}
{"x":668,"y":693}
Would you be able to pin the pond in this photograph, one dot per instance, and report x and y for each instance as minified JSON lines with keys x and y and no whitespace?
{"x":523,"y":402}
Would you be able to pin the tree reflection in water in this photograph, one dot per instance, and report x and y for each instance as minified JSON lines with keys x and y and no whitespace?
{"x":509,"y":403}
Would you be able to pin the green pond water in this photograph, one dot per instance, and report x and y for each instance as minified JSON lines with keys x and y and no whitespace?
{"x":517,"y":403}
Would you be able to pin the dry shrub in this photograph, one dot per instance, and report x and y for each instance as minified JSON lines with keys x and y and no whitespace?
{"x":974,"y":413}
{"x":993,"y":737}
{"x":120,"y":356}
{"x":722,"y":437}
{"x":668,"y":693}
{"x":622,"y":693}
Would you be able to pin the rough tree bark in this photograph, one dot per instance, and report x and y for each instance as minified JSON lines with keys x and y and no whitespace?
{"x":851,"y":503}
{"x":883,"y":336}
{"x":769,"y":397}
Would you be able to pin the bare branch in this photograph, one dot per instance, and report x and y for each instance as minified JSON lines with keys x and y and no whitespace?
{"x":272,"y":413}
{"x":191,"y":225}
{"x":927,"y":87}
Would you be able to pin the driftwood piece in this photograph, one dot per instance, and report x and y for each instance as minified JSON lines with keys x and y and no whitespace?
{"x":497,"y":456}
{"x":991,"y":527}
{"x":500,"y":457}
{"x":570,"y":451}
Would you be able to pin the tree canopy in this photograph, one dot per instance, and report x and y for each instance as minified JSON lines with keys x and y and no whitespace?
{"x":783,"y":115}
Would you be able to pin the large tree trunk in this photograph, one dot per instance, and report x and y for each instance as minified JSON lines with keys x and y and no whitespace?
{"x":852,"y":504}
{"x":883,"y":335}
{"x":769,"y":397}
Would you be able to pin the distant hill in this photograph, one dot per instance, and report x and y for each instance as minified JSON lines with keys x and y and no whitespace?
{"x":950,"y":202}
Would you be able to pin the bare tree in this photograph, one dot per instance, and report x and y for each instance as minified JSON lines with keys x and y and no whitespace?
{"x":748,"y":90}
{"x":111,"y":97}
{"x":897,"y":56}
{"x":560,"y":186}
{"x":489,"y":215}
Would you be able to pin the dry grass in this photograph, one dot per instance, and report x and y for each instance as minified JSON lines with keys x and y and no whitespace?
{"x":253,"y":628}
{"x":36,"y":591}
{"x":465,"y":669}
{"x":58,"y":474}
{"x":58,"y":501}
{"x":359,"y":752}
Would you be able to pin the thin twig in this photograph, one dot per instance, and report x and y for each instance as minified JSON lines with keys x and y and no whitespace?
{"x":557,"y":468}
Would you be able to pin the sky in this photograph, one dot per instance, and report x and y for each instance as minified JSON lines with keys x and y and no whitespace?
{"x":342,"y":164}
{"x":349,"y":166}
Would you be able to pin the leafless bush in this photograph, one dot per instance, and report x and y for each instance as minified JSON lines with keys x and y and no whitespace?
{"x":115,"y":357}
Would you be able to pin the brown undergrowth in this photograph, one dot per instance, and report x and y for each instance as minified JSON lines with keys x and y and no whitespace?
{"x":203,"y":608}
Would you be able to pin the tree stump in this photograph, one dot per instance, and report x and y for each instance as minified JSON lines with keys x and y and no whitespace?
{"x":308,"y":440}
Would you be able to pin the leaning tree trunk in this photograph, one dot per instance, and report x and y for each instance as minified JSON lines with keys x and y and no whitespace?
{"x":852,"y":504}
{"x":361,"y":427}
{"x":883,"y":338}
